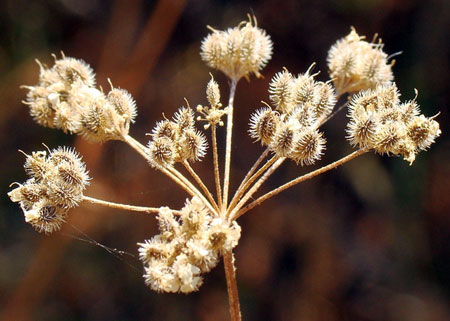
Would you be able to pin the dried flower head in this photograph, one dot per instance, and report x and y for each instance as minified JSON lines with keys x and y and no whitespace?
{"x":212,"y":114}
{"x":187,"y":246}
{"x":263,"y":125}
{"x":357,"y":65}
{"x":56,"y":184}
{"x":291,"y":130}
{"x":378,"y":120}
{"x":66,"y":98}
{"x":238,"y":51}
{"x":177,"y":140}
{"x":288,"y":93}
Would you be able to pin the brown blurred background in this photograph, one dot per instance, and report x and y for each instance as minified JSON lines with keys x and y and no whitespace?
{"x":368,"y":241}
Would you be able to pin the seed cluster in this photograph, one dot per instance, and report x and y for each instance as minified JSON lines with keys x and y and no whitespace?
{"x":56,"y":184}
{"x":186,"y":247}
{"x":238,"y":51}
{"x":177,"y":140}
{"x":213,"y":113}
{"x":66,"y":98}
{"x":291,"y":129}
{"x":357,"y":65}
{"x":380,"y":121}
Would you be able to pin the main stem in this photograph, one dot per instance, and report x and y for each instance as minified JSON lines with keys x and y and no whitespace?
{"x":226,"y":181}
{"x":233,"y":295}
{"x":232,"y":213}
{"x":243,"y":188}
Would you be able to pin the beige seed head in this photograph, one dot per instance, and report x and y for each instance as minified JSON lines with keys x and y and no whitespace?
{"x":356,"y":65}
{"x":45,"y":216}
{"x":213,"y":93}
{"x":280,"y":90}
{"x":283,"y":139}
{"x":238,"y":51}
{"x":72,"y":70}
{"x":263,"y":125}
{"x":124,"y":104}
{"x":184,"y":118}
{"x":192,"y":145}
{"x":308,"y":146}
{"x":162,"y":152}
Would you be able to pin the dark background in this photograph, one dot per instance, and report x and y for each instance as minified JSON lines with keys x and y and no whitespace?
{"x":368,"y":241}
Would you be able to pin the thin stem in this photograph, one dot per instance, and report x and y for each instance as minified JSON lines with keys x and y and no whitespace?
{"x":254,"y":167}
{"x":195,"y":192}
{"x":299,"y":180}
{"x":216,"y":166}
{"x":138,"y":147}
{"x":243,"y":188}
{"x":226,"y":180}
{"x":125,"y":207}
{"x":256,"y":186}
{"x":201,"y":184}
{"x":334,"y":113}
{"x":233,"y":295}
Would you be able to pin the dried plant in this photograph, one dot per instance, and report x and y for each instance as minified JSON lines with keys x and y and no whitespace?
{"x":192,"y":240}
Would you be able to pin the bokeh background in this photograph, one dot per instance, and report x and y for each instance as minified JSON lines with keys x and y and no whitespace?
{"x":368,"y":241}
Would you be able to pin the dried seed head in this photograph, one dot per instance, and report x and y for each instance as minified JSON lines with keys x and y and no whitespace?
{"x":238,"y":51}
{"x":187,"y":247}
{"x":72,"y":70}
{"x":213,"y":93}
{"x":165,"y":128}
{"x":57,"y":183}
{"x":304,"y":89}
{"x":124,"y":104}
{"x":177,"y":140}
{"x":361,"y":130}
{"x":184,"y":118}
{"x":161,"y":152}
{"x":280,"y":90}
{"x":358,"y":65}
{"x":263,"y":125}
{"x":223,"y":235}
{"x":303,"y":115}
{"x":193,"y":145}
{"x":423,"y":131}
{"x":389,"y":135}
{"x":45,"y":216}
{"x":98,"y":121}
{"x":212,"y":114}
{"x":307,"y":147}
{"x":378,"y":120}
{"x":283,"y":139}
{"x":65,"y":98}
{"x":325,"y":100}
{"x":36,"y":165}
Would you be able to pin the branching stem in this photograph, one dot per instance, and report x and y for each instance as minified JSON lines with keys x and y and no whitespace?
{"x":256,"y":186}
{"x":254,"y":167}
{"x":201,"y":184}
{"x":299,"y":180}
{"x":171,"y":172}
{"x":243,"y":188}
